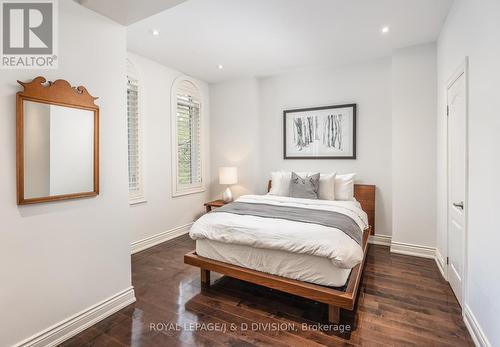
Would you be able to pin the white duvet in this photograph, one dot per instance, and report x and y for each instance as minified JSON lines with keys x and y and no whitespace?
{"x":286,"y":235}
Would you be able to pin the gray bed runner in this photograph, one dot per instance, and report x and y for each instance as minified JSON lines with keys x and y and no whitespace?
{"x":297,"y":214}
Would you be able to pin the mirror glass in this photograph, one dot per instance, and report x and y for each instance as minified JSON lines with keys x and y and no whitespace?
{"x":58,"y":150}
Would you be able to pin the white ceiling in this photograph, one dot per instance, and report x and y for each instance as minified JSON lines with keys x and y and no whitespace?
{"x":127,"y":12}
{"x":265,"y":37}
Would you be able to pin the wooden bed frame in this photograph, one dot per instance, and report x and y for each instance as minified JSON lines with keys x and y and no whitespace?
{"x":334,"y":298}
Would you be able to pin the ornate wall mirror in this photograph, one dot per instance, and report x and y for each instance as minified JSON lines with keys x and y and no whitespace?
{"x":57,"y":142}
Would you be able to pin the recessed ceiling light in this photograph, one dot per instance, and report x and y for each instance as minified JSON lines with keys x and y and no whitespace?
{"x":155,"y":32}
{"x":385,"y":30}
{"x":220,"y":66}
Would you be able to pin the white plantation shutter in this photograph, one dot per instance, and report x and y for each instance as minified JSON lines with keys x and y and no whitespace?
{"x":188,"y":135}
{"x":187,"y":138}
{"x":134,"y":139}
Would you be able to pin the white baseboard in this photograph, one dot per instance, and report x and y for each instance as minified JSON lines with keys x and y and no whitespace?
{"x":384,"y":240}
{"x":71,"y":326}
{"x":474,"y":328}
{"x":441,"y":264}
{"x":154,"y":240}
{"x":415,"y":250}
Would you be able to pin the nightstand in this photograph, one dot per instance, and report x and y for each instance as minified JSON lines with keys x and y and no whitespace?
{"x":215,"y":203}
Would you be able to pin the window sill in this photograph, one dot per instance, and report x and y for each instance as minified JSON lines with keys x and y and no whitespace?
{"x":188,"y":192}
{"x":137,"y":201}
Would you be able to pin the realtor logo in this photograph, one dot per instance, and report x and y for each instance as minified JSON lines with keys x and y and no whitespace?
{"x":29,"y":34}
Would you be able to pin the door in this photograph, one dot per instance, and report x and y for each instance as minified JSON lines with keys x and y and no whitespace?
{"x":457,"y":181}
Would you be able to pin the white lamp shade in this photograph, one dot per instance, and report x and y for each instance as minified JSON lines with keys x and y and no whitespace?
{"x":228,"y":175}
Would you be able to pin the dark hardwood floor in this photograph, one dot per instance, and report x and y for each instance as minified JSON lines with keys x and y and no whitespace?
{"x":402,"y":301}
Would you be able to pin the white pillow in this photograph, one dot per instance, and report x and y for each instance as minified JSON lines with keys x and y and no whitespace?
{"x":275,"y":183}
{"x":326,"y":185}
{"x":281,"y":184}
{"x":344,"y":187}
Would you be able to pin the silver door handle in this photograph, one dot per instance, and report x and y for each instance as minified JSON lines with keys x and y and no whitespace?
{"x":459,"y":205}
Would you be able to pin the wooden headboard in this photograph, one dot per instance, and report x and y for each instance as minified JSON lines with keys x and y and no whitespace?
{"x":365,"y":194}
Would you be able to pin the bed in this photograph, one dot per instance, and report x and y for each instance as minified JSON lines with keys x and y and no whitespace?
{"x":313,"y":267}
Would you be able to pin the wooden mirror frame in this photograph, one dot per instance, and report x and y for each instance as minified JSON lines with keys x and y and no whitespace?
{"x":59,"y":93}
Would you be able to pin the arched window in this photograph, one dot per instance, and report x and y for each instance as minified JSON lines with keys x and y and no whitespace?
{"x":186,"y":137}
{"x":135,"y":179}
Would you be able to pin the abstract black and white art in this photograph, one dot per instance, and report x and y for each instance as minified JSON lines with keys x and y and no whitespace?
{"x":320,"y":133}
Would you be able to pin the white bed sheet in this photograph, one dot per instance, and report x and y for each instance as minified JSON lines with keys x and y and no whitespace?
{"x":303,"y":267}
{"x":286,"y":235}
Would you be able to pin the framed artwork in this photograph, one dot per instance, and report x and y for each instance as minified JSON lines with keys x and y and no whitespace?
{"x":327,"y":132}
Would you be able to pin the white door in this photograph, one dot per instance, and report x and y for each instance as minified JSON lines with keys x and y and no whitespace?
{"x":457,"y":181}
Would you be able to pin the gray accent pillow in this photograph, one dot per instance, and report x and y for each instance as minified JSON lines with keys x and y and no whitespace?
{"x":306,"y":187}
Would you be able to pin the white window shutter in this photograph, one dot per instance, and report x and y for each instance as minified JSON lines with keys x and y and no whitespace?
{"x":135,"y":185}
{"x":188,"y":140}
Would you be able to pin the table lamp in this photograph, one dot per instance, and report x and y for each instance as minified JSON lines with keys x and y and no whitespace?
{"x":228,"y":175}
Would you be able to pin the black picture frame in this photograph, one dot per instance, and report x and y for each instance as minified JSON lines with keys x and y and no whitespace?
{"x":287,"y":113}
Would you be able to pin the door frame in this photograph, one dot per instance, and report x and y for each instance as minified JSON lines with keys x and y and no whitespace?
{"x":463,"y":69}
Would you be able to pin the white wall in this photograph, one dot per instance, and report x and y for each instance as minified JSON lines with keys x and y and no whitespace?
{"x":366,"y":84}
{"x":473,"y":29}
{"x":58,"y":259}
{"x":235,"y":134}
{"x":396,"y":100}
{"x":414,"y":141}
{"x":161,"y":212}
